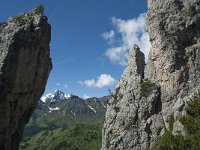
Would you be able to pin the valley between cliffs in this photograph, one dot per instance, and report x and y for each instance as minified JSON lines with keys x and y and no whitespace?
{"x":146,"y":97}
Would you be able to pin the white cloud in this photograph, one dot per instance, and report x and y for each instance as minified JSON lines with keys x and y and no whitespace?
{"x":81,"y":83}
{"x":132,"y":31}
{"x":109,"y":36}
{"x":85,"y":96}
{"x":87,"y":83}
{"x":105,"y":80}
{"x":65,"y":85}
{"x":102,"y":81}
{"x":65,"y":61}
{"x":58,"y":84}
{"x":118,"y":55}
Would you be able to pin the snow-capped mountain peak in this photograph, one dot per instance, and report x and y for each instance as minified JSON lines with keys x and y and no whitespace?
{"x":68,"y":96}
{"x":56,"y":96}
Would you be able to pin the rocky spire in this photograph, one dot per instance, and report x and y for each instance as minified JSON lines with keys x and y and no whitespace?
{"x":24,"y":69}
{"x":136,"y":62}
{"x":129,"y":112}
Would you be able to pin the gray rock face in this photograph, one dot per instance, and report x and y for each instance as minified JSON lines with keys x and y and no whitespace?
{"x":24,"y":70}
{"x":130,"y":117}
{"x":139,"y":108}
{"x":174,"y":59}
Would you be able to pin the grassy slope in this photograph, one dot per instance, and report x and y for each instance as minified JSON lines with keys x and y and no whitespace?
{"x":63,"y":129}
{"x":52,"y":122}
{"x":76,"y":137}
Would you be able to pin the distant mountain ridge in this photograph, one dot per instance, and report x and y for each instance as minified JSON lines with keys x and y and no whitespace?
{"x":57,"y":98}
{"x":58,"y":110}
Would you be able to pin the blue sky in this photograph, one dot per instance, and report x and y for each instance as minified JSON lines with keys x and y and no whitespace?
{"x":90,"y":40}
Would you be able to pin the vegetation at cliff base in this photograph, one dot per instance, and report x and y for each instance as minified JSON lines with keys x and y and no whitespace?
{"x":191,"y":139}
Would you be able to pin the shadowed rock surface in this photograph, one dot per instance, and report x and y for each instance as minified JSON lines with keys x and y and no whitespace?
{"x":24,"y":69}
{"x":139,"y":110}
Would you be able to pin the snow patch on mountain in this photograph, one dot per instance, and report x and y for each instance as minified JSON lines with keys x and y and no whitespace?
{"x":43,"y":99}
{"x":74,"y":114}
{"x":56,"y":108}
{"x":92,"y":108}
{"x":67,"y":96}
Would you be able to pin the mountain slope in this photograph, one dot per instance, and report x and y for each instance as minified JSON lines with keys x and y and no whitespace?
{"x":76,"y":137}
{"x":58,"y":111}
{"x":63,"y":121}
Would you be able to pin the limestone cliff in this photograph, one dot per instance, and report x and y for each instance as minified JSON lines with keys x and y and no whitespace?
{"x":174,"y":59}
{"x":24,"y":68}
{"x":139,"y":109}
